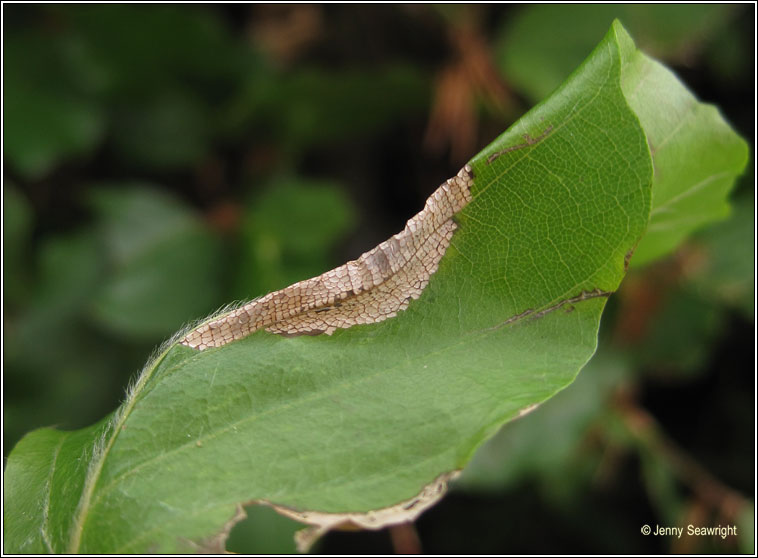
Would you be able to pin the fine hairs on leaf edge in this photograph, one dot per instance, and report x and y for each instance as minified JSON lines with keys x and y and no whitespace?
{"x":110,"y":430}
{"x":437,"y":215}
{"x":427,"y":219}
{"x":438,"y":212}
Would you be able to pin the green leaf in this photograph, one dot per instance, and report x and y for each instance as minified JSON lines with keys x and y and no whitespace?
{"x":263,"y":532}
{"x":678,"y":342}
{"x":48,"y":116}
{"x":724,"y":260}
{"x":543,"y":43}
{"x":68,"y":272}
{"x":164,"y":262}
{"x":187,"y":44}
{"x":365,"y":418}
{"x":696,"y":154}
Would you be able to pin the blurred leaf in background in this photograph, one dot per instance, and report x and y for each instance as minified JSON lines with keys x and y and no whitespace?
{"x":264,"y":532}
{"x":163,"y":262}
{"x":539,"y":47}
{"x":718,"y":268}
{"x":286,"y":234}
{"x":51,"y":109}
{"x":163,"y":160}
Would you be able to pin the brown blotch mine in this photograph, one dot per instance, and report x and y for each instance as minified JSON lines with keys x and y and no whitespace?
{"x":375,"y":287}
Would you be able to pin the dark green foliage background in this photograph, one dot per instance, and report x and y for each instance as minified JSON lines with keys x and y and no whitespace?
{"x":159,"y":162}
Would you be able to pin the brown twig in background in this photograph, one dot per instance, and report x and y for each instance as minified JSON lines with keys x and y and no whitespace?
{"x":470,"y":75}
{"x":710,"y":490}
{"x":405,"y":539}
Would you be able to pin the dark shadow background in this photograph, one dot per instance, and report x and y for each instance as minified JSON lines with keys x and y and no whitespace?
{"x":161,"y":161}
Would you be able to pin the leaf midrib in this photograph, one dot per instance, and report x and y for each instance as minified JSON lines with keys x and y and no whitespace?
{"x":95,"y":469}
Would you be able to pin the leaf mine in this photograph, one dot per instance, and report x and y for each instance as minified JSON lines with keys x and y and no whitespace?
{"x":373,"y":288}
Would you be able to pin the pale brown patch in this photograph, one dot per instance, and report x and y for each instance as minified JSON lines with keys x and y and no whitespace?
{"x":404,"y":512}
{"x":376,"y":286}
{"x":527,"y":410}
